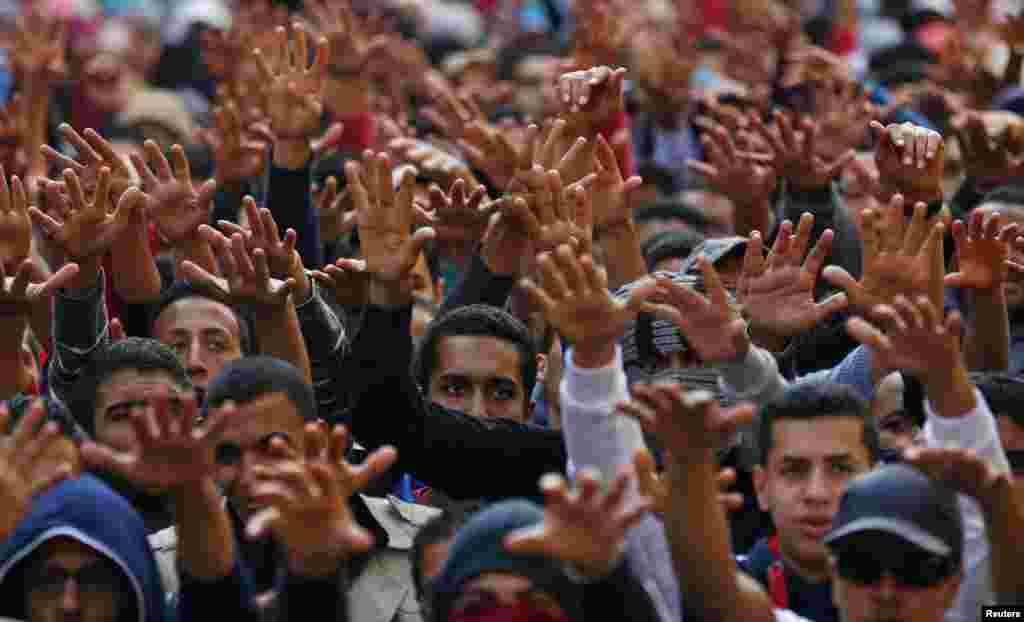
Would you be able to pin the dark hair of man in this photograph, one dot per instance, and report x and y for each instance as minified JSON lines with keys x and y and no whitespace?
{"x":249,"y":378}
{"x":135,"y":353}
{"x":669,"y":245}
{"x":438,"y":529}
{"x":477,"y":321}
{"x":672,"y":210}
{"x":1003,"y":392}
{"x":815,"y":400}
{"x":183,"y":289}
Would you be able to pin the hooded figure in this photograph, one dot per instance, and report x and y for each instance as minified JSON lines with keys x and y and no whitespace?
{"x":92,"y":517}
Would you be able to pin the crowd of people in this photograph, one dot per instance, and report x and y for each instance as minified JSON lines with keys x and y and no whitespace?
{"x":511,"y":310}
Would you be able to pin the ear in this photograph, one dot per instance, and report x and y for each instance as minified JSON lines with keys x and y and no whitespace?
{"x":761,"y":488}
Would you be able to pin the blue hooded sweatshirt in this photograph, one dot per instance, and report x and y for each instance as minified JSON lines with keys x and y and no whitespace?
{"x":86,"y":510}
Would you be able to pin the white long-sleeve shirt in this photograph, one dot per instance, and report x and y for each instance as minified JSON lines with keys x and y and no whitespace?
{"x":596,"y":437}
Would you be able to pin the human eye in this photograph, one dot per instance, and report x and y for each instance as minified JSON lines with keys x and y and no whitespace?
{"x":453,"y":387}
{"x":504,"y":392}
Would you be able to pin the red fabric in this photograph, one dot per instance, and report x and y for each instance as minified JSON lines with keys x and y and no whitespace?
{"x":520,"y":612}
{"x":777,"y":577}
{"x":616,"y":132}
{"x":843,"y":41}
{"x":714,"y":15}
{"x":360,"y":132}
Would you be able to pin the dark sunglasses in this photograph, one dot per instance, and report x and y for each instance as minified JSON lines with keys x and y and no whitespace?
{"x":912,"y":569}
{"x":96,"y":578}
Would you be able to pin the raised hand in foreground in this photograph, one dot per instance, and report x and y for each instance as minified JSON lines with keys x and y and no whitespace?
{"x":308,"y":500}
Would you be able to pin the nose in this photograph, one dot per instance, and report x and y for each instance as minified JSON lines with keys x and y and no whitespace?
{"x":818,"y":488}
{"x":479,"y":404}
{"x":887,"y":587}
{"x":70,"y":602}
{"x":194,"y":362}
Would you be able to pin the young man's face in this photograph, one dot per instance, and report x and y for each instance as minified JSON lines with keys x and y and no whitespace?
{"x":896,"y":429}
{"x":505,"y":590}
{"x":246,"y":444}
{"x":888,"y":600}
{"x":70,"y":581}
{"x":116,"y":397}
{"x":480,"y":376}
{"x":205,"y":335}
{"x":808,"y":466}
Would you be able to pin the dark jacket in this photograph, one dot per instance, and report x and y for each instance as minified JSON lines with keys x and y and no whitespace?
{"x":787,"y":589}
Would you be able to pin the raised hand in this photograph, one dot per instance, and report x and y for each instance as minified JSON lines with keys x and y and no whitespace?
{"x":843,"y":113}
{"x":30,"y":285}
{"x":94,"y":154}
{"x":573,"y":294}
{"x":15,"y":135}
{"x":982,"y":252}
{"x":246,"y":275}
{"x":336,"y":218}
{"x":911,"y":162}
{"x":748,"y":179}
{"x":987,"y":158}
{"x":961,"y":470}
{"x":796,"y":155}
{"x":898,"y":259}
{"x":778,"y":293}
{"x":236,"y":157}
{"x":173,"y":448}
{"x":586,"y":528}
{"x":15,"y":225}
{"x":609,"y":191}
{"x":711,"y":324}
{"x":917,"y":340}
{"x":351,"y":49}
{"x":37,"y":51}
{"x":492,"y":151}
{"x":293,"y":86}
{"x":459,"y":216}
{"x":385,"y":218}
{"x":690,"y":426}
{"x":654,"y":487}
{"x":308,"y":497}
{"x":595,"y":93}
{"x":176,"y":206}
{"x":347,"y":279}
{"x":263,"y":233}
{"x":26,"y":469}
{"x":88,"y":229}
{"x":432,"y":161}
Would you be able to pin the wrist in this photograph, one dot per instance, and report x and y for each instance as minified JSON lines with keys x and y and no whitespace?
{"x":594,"y":354}
{"x":292,"y":152}
{"x":389,"y":294}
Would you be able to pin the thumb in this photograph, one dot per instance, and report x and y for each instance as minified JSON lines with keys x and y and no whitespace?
{"x":101,"y":457}
{"x":529,"y":541}
{"x":840,"y":278}
{"x":832,"y":304}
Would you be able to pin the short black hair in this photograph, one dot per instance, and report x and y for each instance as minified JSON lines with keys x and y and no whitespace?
{"x":442,"y":527}
{"x":672,"y":210}
{"x":478,"y":320}
{"x":180,"y":290}
{"x":814,"y":399}
{"x":669,"y":245}
{"x":1003,"y":392}
{"x":247,"y":379}
{"x":135,"y":353}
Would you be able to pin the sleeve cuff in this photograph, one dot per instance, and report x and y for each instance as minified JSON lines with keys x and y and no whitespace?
{"x":593,"y":386}
{"x":749,"y":374}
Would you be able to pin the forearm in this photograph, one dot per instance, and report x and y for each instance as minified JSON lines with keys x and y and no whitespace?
{"x":140,"y":281}
{"x":987,"y":342}
{"x":281,"y":337}
{"x":949,"y":391}
{"x":1004,"y":521}
{"x":80,"y":326}
{"x":12,"y":372}
{"x":624,"y":260}
{"x":206,"y":539}
{"x":325,"y":338}
{"x":701,"y":551}
{"x":290,"y":203}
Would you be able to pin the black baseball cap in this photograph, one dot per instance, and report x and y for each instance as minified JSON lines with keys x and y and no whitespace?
{"x":901,"y":501}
